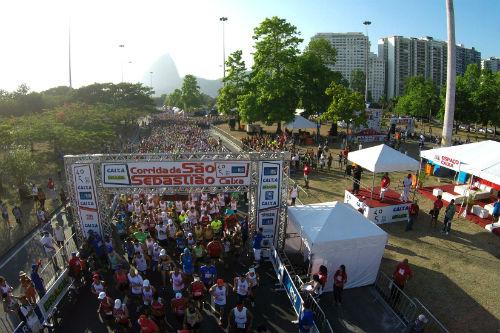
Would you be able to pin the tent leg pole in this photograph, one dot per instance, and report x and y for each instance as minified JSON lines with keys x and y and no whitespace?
{"x":373,"y":185}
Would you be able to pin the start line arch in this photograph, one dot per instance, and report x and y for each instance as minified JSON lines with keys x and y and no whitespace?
{"x":91,"y":179}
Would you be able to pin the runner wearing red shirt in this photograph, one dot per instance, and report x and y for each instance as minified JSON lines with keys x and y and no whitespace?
{"x":339,"y":280}
{"x":198,"y":290}
{"x":147,"y":325}
{"x":214,"y":249}
{"x":178,"y":305}
{"x":384,"y":185}
{"x":400,"y":276}
{"x":76,"y":265}
{"x":307,"y":171}
{"x":434,"y":213}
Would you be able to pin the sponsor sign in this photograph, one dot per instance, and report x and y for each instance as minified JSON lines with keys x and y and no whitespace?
{"x":165,"y":174}
{"x":379,"y":215}
{"x":269,"y":200}
{"x":292,"y":292}
{"x":268,"y":221}
{"x":371,"y":138}
{"x":269,"y":185}
{"x":448,"y":162}
{"x":51,"y":299}
{"x":86,"y":198}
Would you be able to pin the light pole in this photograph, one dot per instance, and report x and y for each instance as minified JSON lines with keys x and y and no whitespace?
{"x":223,"y":20}
{"x":449,"y":111}
{"x":121,"y":60}
{"x":151,"y":79}
{"x":69,"y":55}
{"x":366,"y":24}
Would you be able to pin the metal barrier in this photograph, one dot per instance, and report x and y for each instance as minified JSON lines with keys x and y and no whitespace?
{"x":292,"y":284}
{"x":49,"y":272}
{"x":397,"y":299}
{"x":407,"y":308}
{"x":433,"y":325}
{"x":320,"y":319}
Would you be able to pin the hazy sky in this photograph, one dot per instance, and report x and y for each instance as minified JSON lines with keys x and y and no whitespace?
{"x":35,"y":33}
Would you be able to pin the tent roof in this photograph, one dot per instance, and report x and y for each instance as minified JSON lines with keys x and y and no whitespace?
{"x":383,"y":158}
{"x":300,"y":123}
{"x":332,"y":221}
{"x":479,"y":158}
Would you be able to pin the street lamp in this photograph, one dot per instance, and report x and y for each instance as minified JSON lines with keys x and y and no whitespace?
{"x":366,"y":24}
{"x":121,"y":60}
{"x":151,"y":79}
{"x":223,"y":19}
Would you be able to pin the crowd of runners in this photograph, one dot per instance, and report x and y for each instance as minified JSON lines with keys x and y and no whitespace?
{"x":175,"y":134}
{"x":168,"y":266}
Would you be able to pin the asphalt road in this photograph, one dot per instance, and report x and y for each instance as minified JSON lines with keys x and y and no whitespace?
{"x":272,"y":307}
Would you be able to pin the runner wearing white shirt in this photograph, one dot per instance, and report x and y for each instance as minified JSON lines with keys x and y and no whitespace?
{"x":178,"y":206}
{"x":135,"y":281}
{"x":161,"y":233}
{"x":219,"y":293}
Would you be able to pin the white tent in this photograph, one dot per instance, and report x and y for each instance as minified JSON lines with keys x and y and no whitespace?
{"x":383,"y":158}
{"x":332,"y":234}
{"x":481,"y":159}
{"x":300,"y":123}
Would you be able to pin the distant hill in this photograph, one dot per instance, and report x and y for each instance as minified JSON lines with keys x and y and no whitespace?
{"x":166,"y":78}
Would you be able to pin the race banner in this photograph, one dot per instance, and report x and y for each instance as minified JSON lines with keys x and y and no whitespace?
{"x":186,"y":174}
{"x":269,"y":200}
{"x":86,"y":198}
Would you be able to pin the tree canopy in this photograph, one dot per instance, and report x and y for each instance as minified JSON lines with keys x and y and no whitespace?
{"x":272,"y":95}
{"x":345,"y":105}
{"x":420,"y":98}
{"x":235,"y":83}
{"x":190,"y":93}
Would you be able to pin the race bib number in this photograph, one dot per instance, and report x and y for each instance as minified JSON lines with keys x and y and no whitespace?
{"x":240,"y":325}
{"x":401,"y":271}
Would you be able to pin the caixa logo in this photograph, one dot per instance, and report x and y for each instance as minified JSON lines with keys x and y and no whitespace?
{"x":400,"y":208}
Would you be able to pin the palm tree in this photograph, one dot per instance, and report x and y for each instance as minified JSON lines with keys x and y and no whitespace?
{"x":450,"y":78}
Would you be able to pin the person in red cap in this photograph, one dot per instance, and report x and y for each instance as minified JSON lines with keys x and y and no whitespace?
{"x":97,"y":284}
{"x":219,"y":292}
{"x":147,"y":325}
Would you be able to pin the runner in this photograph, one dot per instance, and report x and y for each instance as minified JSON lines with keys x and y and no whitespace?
{"x":240,"y":319}
{"x":177,"y":280}
{"x":198,"y":290}
{"x":253,"y":281}
{"x":192,"y":318}
{"x":178,"y":305}
{"x":219,"y":292}
{"x":241,"y":287}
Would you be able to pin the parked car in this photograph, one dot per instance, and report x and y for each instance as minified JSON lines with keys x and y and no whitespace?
{"x":490,"y":130}
{"x":481,"y":130}
{"x":462,"y":127}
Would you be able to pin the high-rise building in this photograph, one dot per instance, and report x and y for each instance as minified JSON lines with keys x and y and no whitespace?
{"x":405,"y":57}
{"x":351,"y":47}
{"x":376,"y":77}
{"x":493,"y":64}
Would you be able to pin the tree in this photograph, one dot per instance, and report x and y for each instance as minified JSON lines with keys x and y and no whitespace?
{"x":190,"y":92}
{"x":19,"y":164}
{"x":132,"y":95}
{"x":235,"y":83}
{"x":485,"y":98}
{"x":450,"y":77}
{"x":346,"y":105}
{"x":466,"y":85}
{"x":272,"y":91}
{"x":174,"y":98}
{"x":358,"y":81}
{"x":315,"y":76}
{"x":420,"y":98}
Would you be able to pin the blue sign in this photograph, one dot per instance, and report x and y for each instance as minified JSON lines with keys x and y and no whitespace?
{"x":22,"y":328}
{"x":292,"y":292}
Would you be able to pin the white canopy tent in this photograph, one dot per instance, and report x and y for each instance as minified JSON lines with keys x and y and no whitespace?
{"x":334,"y":234}
{"x":481,"y":159}
{"x":301,"y":123}
{"x":382,"y":158}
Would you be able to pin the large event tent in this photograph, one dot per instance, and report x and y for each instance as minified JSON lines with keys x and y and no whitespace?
{"x":382,"y":158}
{"x":301,"y":123}
{"x":481,"y":159}
{"x":332,"y":234}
